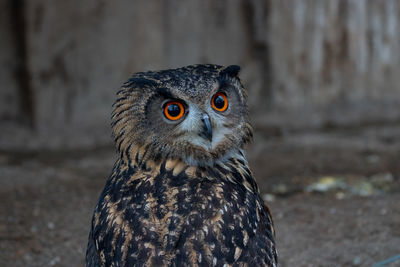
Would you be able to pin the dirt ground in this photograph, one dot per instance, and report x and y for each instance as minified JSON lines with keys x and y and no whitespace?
{"x":47,"y":198}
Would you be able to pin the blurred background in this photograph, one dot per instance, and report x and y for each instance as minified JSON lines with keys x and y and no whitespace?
{"x":323,"y":79}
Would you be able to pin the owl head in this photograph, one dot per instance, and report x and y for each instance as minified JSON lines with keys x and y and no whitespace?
{"x":197,"y":114}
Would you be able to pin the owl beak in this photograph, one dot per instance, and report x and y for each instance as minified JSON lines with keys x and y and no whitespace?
{"x":206,"y":131}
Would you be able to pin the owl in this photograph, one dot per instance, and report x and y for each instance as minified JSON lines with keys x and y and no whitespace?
{"x":181,"y":192}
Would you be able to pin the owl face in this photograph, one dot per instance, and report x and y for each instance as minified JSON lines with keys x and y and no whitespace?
{"x":197,"y":114}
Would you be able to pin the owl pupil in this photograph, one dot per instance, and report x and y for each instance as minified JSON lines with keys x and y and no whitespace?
{"x":174,"y":110}
{"x":219,"y":102}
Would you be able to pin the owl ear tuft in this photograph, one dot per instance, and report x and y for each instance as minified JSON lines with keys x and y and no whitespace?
{"x":231,"y":71}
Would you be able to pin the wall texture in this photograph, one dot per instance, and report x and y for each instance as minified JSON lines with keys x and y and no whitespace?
{"x":9,"y":95}
{"x":306,"y":63}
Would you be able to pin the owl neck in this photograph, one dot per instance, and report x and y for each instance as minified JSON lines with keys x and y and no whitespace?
{"x":142,"y":157}
{"x":233,"y":168}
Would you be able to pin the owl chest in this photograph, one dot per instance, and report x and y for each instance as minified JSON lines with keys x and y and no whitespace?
{"x":165,"y":218}
{"x":167,"y":209}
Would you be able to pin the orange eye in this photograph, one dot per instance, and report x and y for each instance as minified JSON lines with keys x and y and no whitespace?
{"x":174,"y":110}
{"x":219,"y":102}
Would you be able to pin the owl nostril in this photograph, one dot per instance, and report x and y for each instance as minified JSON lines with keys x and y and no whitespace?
{"x":206,"y":131}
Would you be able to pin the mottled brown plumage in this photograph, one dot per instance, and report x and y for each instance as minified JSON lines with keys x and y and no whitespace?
{"x":181,"y":192}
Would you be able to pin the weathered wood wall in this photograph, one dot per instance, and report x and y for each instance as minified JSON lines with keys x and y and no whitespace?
{"x":305,"y":62}
{"x":9,"y":106}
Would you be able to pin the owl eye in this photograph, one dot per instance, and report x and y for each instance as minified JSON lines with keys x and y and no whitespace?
{"x":219,"y":102}
{"x":173,"y":110}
